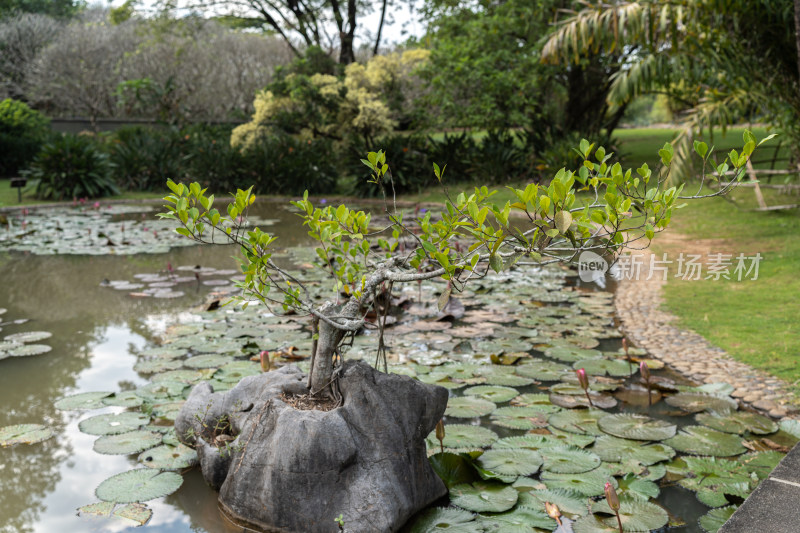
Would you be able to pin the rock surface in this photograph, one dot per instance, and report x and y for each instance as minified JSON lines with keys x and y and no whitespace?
{"x":295,"y":471}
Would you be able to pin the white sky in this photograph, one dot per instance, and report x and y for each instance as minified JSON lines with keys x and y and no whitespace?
{"x":405,"y":23}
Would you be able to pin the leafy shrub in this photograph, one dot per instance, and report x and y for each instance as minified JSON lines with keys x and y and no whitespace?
{"x":407,"y":157}
{"x":146,"y":157}
{"x":455,"y":151}
{"x":210,"y":159}
{"x":500,"y":157}
{"x":22,"y":133}
{"x":72,"y":167}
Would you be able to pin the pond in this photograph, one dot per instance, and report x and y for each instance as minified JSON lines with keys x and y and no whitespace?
{"x":106,"y":313}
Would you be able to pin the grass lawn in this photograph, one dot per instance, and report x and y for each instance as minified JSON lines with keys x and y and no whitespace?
{"x":8,"y":196}
{"x":755,"y":321}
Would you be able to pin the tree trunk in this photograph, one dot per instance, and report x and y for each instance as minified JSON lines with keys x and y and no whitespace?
{"x":329,"y":339}
{"x":383,"y":18}
{"x":797,"y":31}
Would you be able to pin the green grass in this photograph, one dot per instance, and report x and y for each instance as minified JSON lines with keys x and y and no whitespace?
{"x":8,"y":196}
{"x":755,"y":321}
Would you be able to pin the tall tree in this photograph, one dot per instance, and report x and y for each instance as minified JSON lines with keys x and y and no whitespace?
{"x":328,"y":24}
{"x":53,"y":8}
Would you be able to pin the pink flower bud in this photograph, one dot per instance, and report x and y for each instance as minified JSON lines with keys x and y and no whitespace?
{"x":625,"y":345}
{"x":644,"y":371}
{"x":582,"y":379}
{"x":611,"y":497}
{"x":265,"y":363}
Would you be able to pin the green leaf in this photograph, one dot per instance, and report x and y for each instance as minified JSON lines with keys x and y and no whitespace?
{"x":563,"y":220}
{"x":496,"y":262}
{"x":138,"y":485}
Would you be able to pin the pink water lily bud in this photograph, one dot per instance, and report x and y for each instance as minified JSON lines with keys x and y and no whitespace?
{"x":265,"y":363}
{"x":644,"y":370}
{"x":582,"y":378}
{"x":553,"y":511}
{"x":625,"y":345}
{"x":440,"y":434}
{"x":611,"y":497}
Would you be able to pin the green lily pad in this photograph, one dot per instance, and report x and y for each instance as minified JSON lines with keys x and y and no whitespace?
{"x":582,"y":421}
{"x":111,"y":424}
{"x":587,"y":484}
{"x":569,"y":460}
{"x":484,"y":496}
{"x":519,"y":418}
{"x":97,"y":509}
{"x":715,"y":518}
{"x":167,"y":410}
{"x":188,"y":377}
{"x":593,"y":524}
{"x":636,"y":515}
{"x":572,"y":401}
{"x":236,"y":371}
{"x":123,"y":399}
{"x":157,"y":365}
{"x":24,"y":434}
{"x":508,"y":462}
{"x":138,"y":485}
{"x":542,"y":370}
{"x":169,"y":457}
{"x":28,"y":336}
{"x":616,"y":450}
{"x":520,"y":519}
{"x":127,"y":443}
{"x":164,"y":352}
{"x":538,"y":401}
{"x":161,"y":391}
{"x":536,"y":442}
{"x":468,"y":407}
{"x":738,"y":422}
{"x":636,"y":427}
{"x":571,"y":354}
{"x":791,"y":427}
{"x":492,"y":393}
{"x":604,"y":367}
{"x":464,"y":436}
{"x":453,"y":469}
{"x":700,"y":440}
{"x":570,"y":504}
{"x":84,"y":400}
{"x":630,"y":486}
{"x":447,"y":519}
{"x":760,"y":463}
{"x":26,"y":350}
{"x":208,"y":361}
{"x":694,"y":402}
{"x":136,"y":512}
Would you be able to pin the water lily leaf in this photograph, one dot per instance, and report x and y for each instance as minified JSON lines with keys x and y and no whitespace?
{"x":188,"y":377}
{"x":519,"y":417}
{"x":761,"y":463}
{"x":542,"y":370}
{"x":123,"y":399}
{"x":468,"y":407}
{"x":569,"y":460}
{"x":111,"y":424}
{"x":711,"y":498}
{"x":570,"y":504}
{"x":715,"y":518}
{"x":453,"y":469}
{"x":571,"y":354}
{"x":636,"y":427}
{"x":572,"y":401}
{"x":463,"y":436}
{"x":165,"y":352}
{"x":636,"y":515}
{"x":234,"y":372}
{"x":593,"y":524}
{"x":791,"y":427}
{"x":632,"y":487}
{"x":521,"y":519}
{"x":616,"y":450}
{"x":28,"y":336}
{"x":157,"y":365}
{"x":700,"y":440}
{"x":538,"y":401}
{"x":716,"y":475}
{"x":509,"y":462}
{"x":604,"y":367}
{"x":168,"y":410}
{"x":506,"y":379}
{"x":138,"y":485}
{"x":26,"y":350}
{"x":169,"y":457}
{"x":161,"y":391}
{"x":583,"y":421}
{"x":738,"y":422}
{"x":587,"y":484}
{"x":492,"y":393}
{"x":208,"y":361}
{"x":694,"y":402}
{"x":137,"y":512}
{"x":716,"y":388}
{"x":127,"y":443}
{"x":97,"y":509}
{"x":84,"y":400}
{"x":24,"y":434}
{"x":484,"y":496}
{"x":447,"y":519}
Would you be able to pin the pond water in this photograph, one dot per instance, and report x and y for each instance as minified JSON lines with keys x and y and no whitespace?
{"x":97,"y":333}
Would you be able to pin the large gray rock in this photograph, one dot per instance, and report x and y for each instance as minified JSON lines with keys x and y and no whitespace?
{"x":290,"y":470}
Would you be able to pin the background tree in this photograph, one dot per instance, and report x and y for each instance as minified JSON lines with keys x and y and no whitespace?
{"x":53,"y":8}
{"x":22,"y":38}
{"x":735,"y":59}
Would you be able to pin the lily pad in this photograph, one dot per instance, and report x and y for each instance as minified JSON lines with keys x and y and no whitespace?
{"x":208,"y":361}
{"x":715,"y":518}
{"x":26,"y":350}
{"x":519,"y":417}
{"x":236,"y":371}
{"x":136,"y":512}
{"x":28,"y":336}
{"x":161,"y":391}
{"x":111,"y":424}
{"x":508,"y":462}
{"x":484,"y":496}
{"x":636,"y":427}
{"x":616,"y":450}
{"x":542,"y":370}
{"x":490,"y":393}
{"x":700,"y":440}
{"x":569,"y":460}
{"x":520,"y":519}
{"x":84,"y":400}
{"x":570,"y":504}
{"x":127,"y":443}
{"x":138,"y":485}
{"x":571,"y":354}
{"x":604,"y":367}
{"x":453,"y":469}
{"x":538,"y":442}
{"x":464,"y":436}
{"x":587,"y":484}
{"x":447,"y":519}
{"x":188,"y":377}
{"x":738,"y":422}
{"x":24,"y":434}
{"x":694,"y":402}
{"x":169,"y":457}
{"x":468,"y":407}
{"x":97,"y":509}
{"x":123,"y":399}
{"x":572,"y":401}
{"x":635,"y":515}
{"x":538,"y":401}
{"x":583,"y":421}
{"x":157,"y":365}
